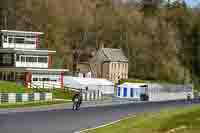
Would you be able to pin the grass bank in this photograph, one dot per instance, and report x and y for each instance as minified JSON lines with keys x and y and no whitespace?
{"x":12,"y":87}
{"x":185,"y":120}
{"x":30,"y":104}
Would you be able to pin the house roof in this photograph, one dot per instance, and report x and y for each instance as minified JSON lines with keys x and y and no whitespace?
{"x":110,"y":55}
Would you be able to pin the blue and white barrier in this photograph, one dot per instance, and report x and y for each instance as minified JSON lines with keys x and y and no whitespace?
{"x":24,"y":97}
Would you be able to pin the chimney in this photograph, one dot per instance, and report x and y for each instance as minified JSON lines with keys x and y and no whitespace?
{"x":101,"y":45}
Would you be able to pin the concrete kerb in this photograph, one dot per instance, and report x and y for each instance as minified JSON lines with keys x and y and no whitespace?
{"x":108,"y":124}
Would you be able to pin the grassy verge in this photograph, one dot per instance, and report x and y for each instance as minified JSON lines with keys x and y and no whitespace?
{"x":185,"y":120}
{"x":30,"y":104}
{"x":12,"y":87}
{"x":62,"y":94}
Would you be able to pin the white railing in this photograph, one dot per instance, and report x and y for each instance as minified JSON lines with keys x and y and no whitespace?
{"x":44,"y":84}
{"x":31,"y":64}
{"x":20,"y":46}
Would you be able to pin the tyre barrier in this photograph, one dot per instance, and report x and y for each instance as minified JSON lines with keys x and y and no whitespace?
{"x":24,"y":97}
{"x":92,"y":95}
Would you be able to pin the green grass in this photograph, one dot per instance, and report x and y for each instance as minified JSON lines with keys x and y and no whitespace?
{"x":12,"y":87}
{"x":185,"y":120}
{"x":62,"y":94}
{"x":30,"y":104}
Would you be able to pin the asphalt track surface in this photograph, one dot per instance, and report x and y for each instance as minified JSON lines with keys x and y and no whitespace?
{"x":68,"y":121}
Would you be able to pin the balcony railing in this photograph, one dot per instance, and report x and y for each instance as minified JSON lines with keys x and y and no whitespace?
{"x":31,"y":64}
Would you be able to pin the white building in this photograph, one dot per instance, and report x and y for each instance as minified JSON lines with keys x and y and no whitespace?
{"x":156,"y":92}
{"x":23,"y":61}
{"x":90,"y":84}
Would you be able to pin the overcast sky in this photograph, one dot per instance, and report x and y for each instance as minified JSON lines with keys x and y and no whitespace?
{"x":192,"y":2}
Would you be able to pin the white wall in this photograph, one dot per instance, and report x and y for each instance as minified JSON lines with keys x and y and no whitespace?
{"x":15,"y":45}
{"x":136,"y":94}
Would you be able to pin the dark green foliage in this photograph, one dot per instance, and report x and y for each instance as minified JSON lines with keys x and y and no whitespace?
{"x":160,"y":45}
{"x":144,"y":97}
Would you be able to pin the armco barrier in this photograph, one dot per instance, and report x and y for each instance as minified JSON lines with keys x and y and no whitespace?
{"x":24,"y":97}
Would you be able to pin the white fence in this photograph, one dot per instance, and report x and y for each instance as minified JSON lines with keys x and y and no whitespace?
{"x":92,"y":95}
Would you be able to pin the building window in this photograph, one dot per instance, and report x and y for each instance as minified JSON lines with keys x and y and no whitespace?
{"x":43,"y":59}
{"x":29,"y":42}
{"x":23,"y":59}
{"x":5,"y":38}
{"x":45,"y":79}
{"x":17,"y":58}
{"x":10,"y":40}
{"x":35,"y":79}
{"x":31,"y":59}
{"x":19,"y":40}
{"x":7,"y":59}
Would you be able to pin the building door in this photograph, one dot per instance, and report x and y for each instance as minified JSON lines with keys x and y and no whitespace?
{"x":125,"y":92}
{"x":118,"y":91}
{"x":132,"y":92}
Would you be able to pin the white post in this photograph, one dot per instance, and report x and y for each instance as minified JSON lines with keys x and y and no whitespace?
{"x":83,"y":96}
{"x":96,"y":93}
{"x":100,"y":95}
{"x":36,"y":96}
{"x":0,"y":98}
{"x":88,"y":96}
{"x":48,"y":96}
{"x":92,"y":96}
{"x":11,"y":97}
{"x":24,"y":97}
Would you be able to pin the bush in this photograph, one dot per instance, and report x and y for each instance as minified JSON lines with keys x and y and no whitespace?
{"x":150,"y":81}
{"x":132,"y":81}
{"x":144,"y":97}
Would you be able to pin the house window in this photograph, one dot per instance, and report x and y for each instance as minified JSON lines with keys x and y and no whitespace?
{"x":7,"y":59}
